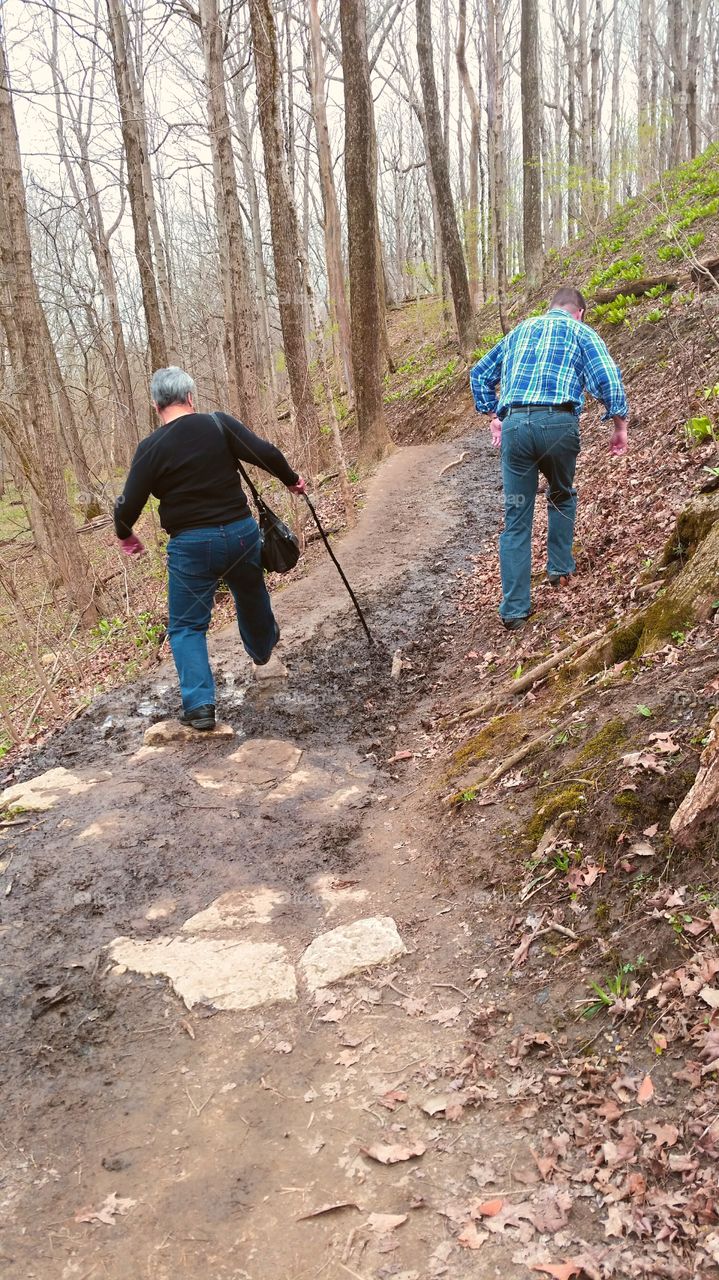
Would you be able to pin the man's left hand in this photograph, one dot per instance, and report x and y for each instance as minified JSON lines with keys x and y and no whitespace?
{"x":495,"y":427}
{"x":300,"y":487}
{"x":618,"y":442}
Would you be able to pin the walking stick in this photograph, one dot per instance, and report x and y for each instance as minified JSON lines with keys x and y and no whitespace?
{"x":339,"y":568}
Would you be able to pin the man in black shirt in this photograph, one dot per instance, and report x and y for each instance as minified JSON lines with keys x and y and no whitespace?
{"x":190,"y":464}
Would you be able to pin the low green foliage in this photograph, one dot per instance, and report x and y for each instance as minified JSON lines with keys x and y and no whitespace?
{"x":618,"y":987}
{"x":658,"y":291}
{"x":486,"y":344}
{"x":653,"y":317}
{"x":668,"y":252}
{"x":698,"y":430}
{"x":614,"y":312}
{"x":631,"y":268}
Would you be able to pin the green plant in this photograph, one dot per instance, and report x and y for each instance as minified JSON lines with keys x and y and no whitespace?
{"x":617,"y":988}
{"x":614,"y":312}
{"x":658,"y":291}
{"x":653,"y":317}
{"x":150,"y":633}
{"x":631,"y":268}
{"x":699,"y":429}
{"x":353,"y":475}
{"x":106,"y":627}
{"x":489,"y":341}
{"x":678,"y":637}
{"x":669,"y":251}
{"x":644,"y":710}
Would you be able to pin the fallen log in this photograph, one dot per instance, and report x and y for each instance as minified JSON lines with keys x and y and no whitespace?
{"x":635,"y":288}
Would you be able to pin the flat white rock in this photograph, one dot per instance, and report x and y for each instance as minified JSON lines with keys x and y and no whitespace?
{"x":214,"y":971}
{"x":48,"y":788}
{"x":235,"y":909}
{"x":349,"y":949}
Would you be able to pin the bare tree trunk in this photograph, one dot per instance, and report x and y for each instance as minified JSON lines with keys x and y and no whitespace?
{"x":248,"y":171}
{"x":332,"y":228}
{"x":472,"y":214}
{"x":135,"y":153}
{"x":451,"y":241}
{"x":365,"y":265}
{"x":495,"y":118}
{"x":246,"y":394}
{"x":676,"y":59}
{"x":26,"y":333}
{"x":587,"y":203}
{"x":644,"y":126}
{"x":286,"y":243}
{"x":531,"y":118}
{"x":694,"y":50}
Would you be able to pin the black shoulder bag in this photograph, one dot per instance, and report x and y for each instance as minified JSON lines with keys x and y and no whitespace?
{"x":280,"y":547}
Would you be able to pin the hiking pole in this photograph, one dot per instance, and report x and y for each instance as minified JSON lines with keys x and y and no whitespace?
{"x":339,"y":568}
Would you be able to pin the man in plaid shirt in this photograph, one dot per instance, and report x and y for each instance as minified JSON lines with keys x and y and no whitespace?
{"x":543,"y":368}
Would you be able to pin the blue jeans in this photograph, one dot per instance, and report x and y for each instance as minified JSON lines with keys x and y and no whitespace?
{"x":538,"y":440}
{"x":197,"y":561}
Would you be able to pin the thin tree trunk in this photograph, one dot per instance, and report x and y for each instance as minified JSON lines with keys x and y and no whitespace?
{"x":332,"y":227}
{"x":248,"y":172}
{"x":366,"y":315}
{"x":531,"y":143}
{"x":22,"y":319}
{"x":472,"y":214}
{"x":246,"y":394}
{"x":451,"y":241}
{"x":286,"y":242}
{"x":134,"y":146}
{"x":495,"y":117}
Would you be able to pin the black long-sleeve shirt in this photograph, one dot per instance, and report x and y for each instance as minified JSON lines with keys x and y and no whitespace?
{"x":191,"y":466}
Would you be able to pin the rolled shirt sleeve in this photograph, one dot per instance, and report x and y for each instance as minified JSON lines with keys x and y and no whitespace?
{"x":602,"y":377}
{"x":484,"y":379}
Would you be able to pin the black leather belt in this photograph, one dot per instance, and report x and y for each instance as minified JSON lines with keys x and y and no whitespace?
{"x":567,"y":407}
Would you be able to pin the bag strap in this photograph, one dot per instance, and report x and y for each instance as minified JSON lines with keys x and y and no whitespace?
{"x":223,"y":431}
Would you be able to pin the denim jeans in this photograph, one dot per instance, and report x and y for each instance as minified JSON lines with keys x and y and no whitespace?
{"x":197,"y":561}
{"x":533,"y":441}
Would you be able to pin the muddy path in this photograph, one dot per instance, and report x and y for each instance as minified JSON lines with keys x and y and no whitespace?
{"x":206,"y":1134}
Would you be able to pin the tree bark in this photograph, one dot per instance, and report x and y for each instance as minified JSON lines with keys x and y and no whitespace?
{"x":246,"y":394}
{"x":495,"y":120}
{"x":286,"y":243}
{"x":135,"y":146}
{"x":36,"y":426}
{"x":531,"y":118}
{"x":365,"y":265}
{"x":472,"y":212}
{"x":332,"y":227}
{"x":451,"y":241}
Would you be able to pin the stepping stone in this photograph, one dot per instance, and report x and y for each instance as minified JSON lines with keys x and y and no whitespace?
{"x":213,"y":971}
{"x":48,"y":788}
{"x":274,"y":670}
{"x":172,"y":731}
{"x":349,"y":949}
{"x":236,"y":909}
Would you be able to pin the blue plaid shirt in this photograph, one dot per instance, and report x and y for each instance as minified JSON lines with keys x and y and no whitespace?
{"x":550,"y":359}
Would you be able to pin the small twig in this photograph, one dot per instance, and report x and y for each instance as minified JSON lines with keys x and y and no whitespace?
{"x":449,"y":986}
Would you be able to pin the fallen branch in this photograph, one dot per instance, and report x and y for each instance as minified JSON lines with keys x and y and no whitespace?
{"x":457,"y":462}
{"x":479,"y":783}
{"x":505,"y":693}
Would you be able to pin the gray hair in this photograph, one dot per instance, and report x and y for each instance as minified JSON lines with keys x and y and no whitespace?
{"x":171,"y":386}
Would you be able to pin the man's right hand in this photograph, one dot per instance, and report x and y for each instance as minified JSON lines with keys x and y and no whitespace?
{"x":132,"y":546}
{"x":495,"y":427}
{"x":618,"y":442}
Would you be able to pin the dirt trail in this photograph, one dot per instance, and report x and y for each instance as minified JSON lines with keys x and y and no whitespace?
{"x":218,"y":1131}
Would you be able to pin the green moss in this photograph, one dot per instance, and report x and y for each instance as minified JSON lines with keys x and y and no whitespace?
{"x":504,"y":730}
{"x":602,"y":912}
{"x":625,"y":640}
{"x":563,"y":801}
{"x":628,"y":802}
{"x":602,"y":746}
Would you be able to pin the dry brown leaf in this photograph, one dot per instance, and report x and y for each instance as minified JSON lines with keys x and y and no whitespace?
{"x":384,"y":1222}
{"x":348,"y":1058}
{"x":710,"y":996}
{"x":400,"y":755}
{"x":488,"y":1208}
{"x":327,"y":1208}
{"x":645,"y":1093}
{"x":109,"y":1209}
{"x":393,"y":1153}
{"x":445,"y":1016}
{"x":283,"y":1046}
{"x":559,"y":1270}
{"x":392,"y":1099}
{"x":471,"y":1237}
{"x":666,"y":1135}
